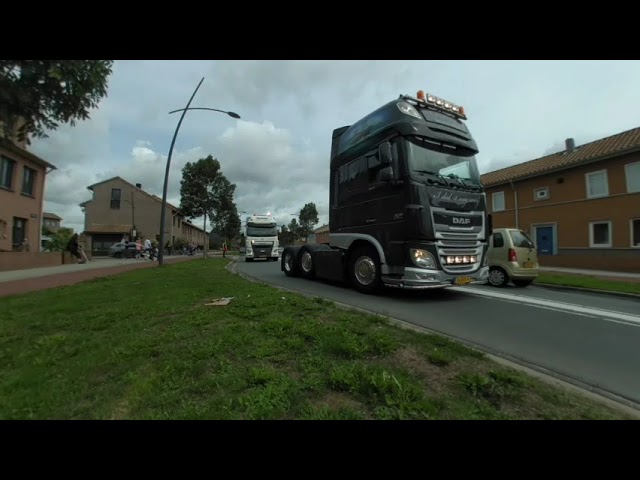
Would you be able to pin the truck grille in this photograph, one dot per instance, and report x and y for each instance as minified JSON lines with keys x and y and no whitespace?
{"x":262,"y":249}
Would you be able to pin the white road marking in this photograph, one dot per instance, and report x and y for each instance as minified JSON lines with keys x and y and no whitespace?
{"x":617,"y":317}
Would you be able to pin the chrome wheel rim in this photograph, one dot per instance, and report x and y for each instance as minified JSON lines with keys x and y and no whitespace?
{"x":288,"y":262}
{"x":306,"y":262}
{"x":365,"y":270}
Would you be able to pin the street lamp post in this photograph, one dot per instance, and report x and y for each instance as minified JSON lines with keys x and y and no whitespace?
{"x":166,"y":173}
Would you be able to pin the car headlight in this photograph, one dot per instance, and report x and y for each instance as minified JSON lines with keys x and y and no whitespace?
{"x":422,"y":258}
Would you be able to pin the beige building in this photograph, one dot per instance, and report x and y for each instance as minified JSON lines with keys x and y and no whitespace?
{"x":120,"y":208}
{"x":581,"y":206}
{"x":22,"y":184}
{"x":51,"y":221}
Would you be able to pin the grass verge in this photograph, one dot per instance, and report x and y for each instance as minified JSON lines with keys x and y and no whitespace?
{"x":142,"y":345}
{"x":584,"y":281}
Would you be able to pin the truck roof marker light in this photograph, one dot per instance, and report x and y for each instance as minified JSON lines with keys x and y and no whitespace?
{"x":431,"y":99}
{"x":462,"y":111}
{"x":408,"y":109}
{"x":420,"y":95}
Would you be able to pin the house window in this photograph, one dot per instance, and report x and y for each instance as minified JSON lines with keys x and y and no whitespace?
{"x":597,"y":184}
{"x":115,"y":198}
{"x":541,"y":193}
{"x":635,"y":232}
{"x":6,"y":171}
{"x":600,"y":234}
{"x":498,"y":202}
{"x":632,"y":173}
{"x":28,"y":181}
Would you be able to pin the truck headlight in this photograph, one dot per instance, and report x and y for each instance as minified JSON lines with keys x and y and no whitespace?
{"x":422,"y":258}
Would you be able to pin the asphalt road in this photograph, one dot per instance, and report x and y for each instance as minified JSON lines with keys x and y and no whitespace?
{"x":593,"y":339}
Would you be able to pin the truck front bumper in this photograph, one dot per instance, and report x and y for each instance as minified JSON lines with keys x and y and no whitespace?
{"x":423,"y":279}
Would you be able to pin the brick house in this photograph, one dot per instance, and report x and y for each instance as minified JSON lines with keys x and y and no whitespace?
{"x":581,"y":206}
{"x":320,"y":235}
{"x":22,"y":184}
{"x":51,"y":221}
{"x":120,"y":208}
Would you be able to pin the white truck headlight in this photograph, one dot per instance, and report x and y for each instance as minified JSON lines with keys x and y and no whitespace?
{"x":422,"y":258}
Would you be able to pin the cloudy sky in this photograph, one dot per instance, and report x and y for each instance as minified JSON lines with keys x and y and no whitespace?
{"x":278,"y":153}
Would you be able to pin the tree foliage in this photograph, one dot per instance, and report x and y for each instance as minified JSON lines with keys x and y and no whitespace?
{"x":308,"y":218}
{"x":59,"y":240}
{"x":284,"y":236}
{"x":226,"y":222}
{"x":45,"y":93}
{"x":204,"y":190}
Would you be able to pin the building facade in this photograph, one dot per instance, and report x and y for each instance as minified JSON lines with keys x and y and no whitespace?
{"x":22,"y":186}
{"x":580,"y":206}
{"x":120,"y":208}
{"x":51,"y":222}
{"x":320,"y":235}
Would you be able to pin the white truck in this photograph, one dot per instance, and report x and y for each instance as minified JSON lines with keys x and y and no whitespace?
{"x":261,"y":234}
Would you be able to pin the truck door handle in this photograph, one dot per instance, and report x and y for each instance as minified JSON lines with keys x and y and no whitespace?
{"x":370,"y":220}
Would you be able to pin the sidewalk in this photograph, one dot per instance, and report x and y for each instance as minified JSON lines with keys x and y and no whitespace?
{"x":16,"y":282}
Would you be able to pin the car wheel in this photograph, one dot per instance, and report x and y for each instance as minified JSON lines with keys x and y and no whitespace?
{"x":498,"y":277}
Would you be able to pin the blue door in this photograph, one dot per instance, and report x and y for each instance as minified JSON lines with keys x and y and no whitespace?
{"x":544,"y":240}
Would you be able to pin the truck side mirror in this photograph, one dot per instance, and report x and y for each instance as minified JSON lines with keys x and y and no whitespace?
{"x":489,"y":225}
{"x":384,"y":153}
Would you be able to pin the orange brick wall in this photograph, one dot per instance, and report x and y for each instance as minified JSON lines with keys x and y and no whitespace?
{"x":24,"y":260}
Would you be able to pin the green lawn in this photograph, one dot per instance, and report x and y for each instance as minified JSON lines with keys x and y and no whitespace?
{"x":584,"y":281}
{"x":142,"y":345}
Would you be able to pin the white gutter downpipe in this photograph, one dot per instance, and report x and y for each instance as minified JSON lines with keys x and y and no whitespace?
{"x":515,"y":201}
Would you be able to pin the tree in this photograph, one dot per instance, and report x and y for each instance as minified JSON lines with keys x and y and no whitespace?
{"x":59,"y":241}
{"x":284,"y":236}
{"x":294,"y":230}
{"x":38,"y":95}
{"x":204,"y":190}
{"x":227,"y":222}
{"x":308,"y":219}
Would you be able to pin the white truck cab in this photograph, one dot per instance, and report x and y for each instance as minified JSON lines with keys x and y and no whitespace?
{"x":261,"y":234}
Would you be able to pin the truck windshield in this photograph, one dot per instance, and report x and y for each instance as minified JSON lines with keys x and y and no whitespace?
{"x":427,"y":156}
{"x":262,"y":231}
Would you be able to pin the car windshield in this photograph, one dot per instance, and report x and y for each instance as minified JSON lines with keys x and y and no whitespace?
{"x":520,"y":239}
{"x":426,"y":156}
{"x":266,"y":231}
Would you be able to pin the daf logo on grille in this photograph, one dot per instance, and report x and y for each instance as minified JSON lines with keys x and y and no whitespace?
{"x":461,"y":221}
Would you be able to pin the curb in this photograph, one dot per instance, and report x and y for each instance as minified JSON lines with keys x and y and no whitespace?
{"x":548,"y":376}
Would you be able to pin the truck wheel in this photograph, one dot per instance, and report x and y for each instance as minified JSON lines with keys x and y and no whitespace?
{"x":248,"y":259}
{"x":305,"y":259}
{"x":289,"y":264}
{"x":364,"y":270}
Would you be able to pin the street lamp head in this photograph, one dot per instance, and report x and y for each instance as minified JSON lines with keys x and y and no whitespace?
{"x":233,"y":115}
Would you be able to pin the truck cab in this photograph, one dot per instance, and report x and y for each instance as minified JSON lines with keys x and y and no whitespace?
{"x":261,"y":233}
{"x":407,"y":208}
